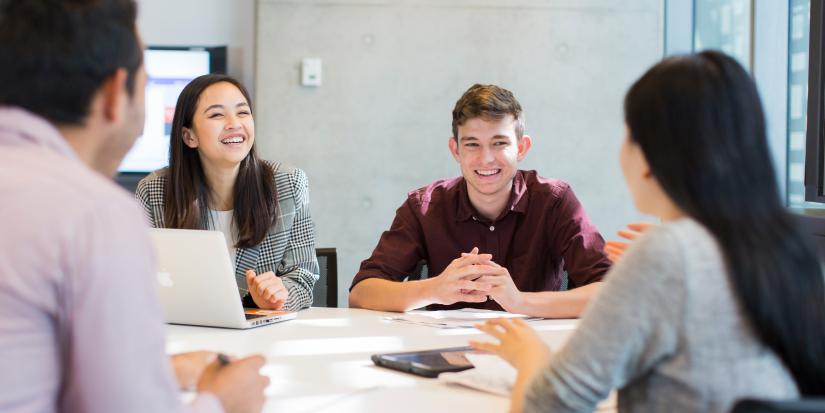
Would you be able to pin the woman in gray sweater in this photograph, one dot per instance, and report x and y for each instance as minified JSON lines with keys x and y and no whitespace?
{"x":724,"y":301}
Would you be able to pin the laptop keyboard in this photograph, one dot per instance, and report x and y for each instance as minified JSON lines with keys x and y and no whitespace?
{"x":253,"y":316}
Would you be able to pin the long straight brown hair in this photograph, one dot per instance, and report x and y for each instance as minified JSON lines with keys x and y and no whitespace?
{"x":187,"y":195}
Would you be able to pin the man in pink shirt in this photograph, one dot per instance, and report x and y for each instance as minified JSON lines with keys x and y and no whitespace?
{"x":80,"y":326}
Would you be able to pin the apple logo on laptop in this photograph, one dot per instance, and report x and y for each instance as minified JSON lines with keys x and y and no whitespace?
{"x":165,"y":279}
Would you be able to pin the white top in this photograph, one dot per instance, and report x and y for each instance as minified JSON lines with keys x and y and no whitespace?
{"x":222,"y":221}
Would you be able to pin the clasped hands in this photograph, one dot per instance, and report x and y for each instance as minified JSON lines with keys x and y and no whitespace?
{"x":473,"y":278}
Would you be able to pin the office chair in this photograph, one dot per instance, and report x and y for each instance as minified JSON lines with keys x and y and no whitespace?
{"x":420,"y":272}
{"x":325,"y":292}
{"x":780,"y":406}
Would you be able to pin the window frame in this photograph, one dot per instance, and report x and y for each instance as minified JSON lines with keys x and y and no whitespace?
{"x":815,"y":135}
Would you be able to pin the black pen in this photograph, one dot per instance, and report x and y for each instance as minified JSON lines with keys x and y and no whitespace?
{"x":223,"y":359}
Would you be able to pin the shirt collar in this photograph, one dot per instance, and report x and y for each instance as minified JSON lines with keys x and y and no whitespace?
{"x":18,"y":125}
{"x":519,"y":196}
{"x":517,"y":203}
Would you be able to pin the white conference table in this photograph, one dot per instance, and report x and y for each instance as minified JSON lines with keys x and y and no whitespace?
{"x":320,"y":362}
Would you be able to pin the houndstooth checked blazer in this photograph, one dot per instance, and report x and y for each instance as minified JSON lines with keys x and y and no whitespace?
{"x":288,"y":249}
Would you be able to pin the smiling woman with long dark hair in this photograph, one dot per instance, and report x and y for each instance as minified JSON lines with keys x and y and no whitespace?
{"x":723,"y":301}
{"x":215,"y":180}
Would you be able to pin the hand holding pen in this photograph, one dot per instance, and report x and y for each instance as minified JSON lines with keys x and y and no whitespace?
{"x":237,"y":383}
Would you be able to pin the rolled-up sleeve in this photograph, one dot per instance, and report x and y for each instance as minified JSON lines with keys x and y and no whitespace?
{"x":578,"y":241}
{"x":399,"y":249}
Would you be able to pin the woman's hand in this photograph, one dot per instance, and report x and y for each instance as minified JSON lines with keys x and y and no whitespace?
{"x":518,"y":343}
{"x":520,"y":346}
{"x":615,"y":249}
{"x":267,"y":290}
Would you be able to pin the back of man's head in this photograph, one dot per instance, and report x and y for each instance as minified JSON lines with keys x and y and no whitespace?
{"x":56,"y":54}
{"x":488,"y":102}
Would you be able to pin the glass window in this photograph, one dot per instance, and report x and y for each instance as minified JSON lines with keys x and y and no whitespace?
{"x":723,"y":25}
{"x":798,"y":40}
{"x":727,"y":25}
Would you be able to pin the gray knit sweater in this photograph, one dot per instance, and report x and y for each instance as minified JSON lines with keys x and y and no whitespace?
{"x":667,"y":331}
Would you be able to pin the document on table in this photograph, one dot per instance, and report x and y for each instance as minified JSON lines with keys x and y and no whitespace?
{"x":492,"y":374}
{"x":463,"y":318}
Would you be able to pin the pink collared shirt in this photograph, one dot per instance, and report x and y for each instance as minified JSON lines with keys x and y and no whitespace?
{"x":81,"y":329}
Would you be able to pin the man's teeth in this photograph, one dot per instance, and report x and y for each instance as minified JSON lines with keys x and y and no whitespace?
{"x":233,"y":140}
{"x":488,"y":172}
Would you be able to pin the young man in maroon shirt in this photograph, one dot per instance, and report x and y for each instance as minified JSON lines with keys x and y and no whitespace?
{"x":496,"y":238}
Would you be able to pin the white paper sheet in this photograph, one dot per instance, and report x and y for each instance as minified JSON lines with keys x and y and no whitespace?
{"x":463,"y":318}
{"x":491,"y":374}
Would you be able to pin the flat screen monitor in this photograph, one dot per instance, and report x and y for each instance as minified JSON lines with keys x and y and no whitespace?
{"x":169,"y":69}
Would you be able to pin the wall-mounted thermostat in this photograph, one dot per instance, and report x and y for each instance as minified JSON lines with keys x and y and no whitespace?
{"x":311,"y":72}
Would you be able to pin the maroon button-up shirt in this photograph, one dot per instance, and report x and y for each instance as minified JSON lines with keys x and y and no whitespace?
{"x":543,"y":233}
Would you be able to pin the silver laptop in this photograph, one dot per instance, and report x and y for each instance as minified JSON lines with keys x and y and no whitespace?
{"x":196,"y":282}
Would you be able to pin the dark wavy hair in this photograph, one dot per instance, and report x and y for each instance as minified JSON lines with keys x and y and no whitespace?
{"x":187,"y":195}
{"x":56,"y":54}
{"x":700,"y":125}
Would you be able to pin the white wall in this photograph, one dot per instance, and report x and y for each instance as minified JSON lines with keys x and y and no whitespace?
{"x":204,"y":23}
{"x":393,"y":69}
{"x":392,"y":72}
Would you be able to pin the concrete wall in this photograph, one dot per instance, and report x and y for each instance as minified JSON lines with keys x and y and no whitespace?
{"x":392,"y":71}
{"x":204,"y":23}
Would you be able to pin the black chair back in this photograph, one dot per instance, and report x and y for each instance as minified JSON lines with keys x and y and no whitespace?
{"x":783,"y":406}
{"x":325,"y":292}
{"x":420,"y":272}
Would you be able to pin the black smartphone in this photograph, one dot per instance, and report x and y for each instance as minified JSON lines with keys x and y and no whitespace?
{"x":427,"y":363}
